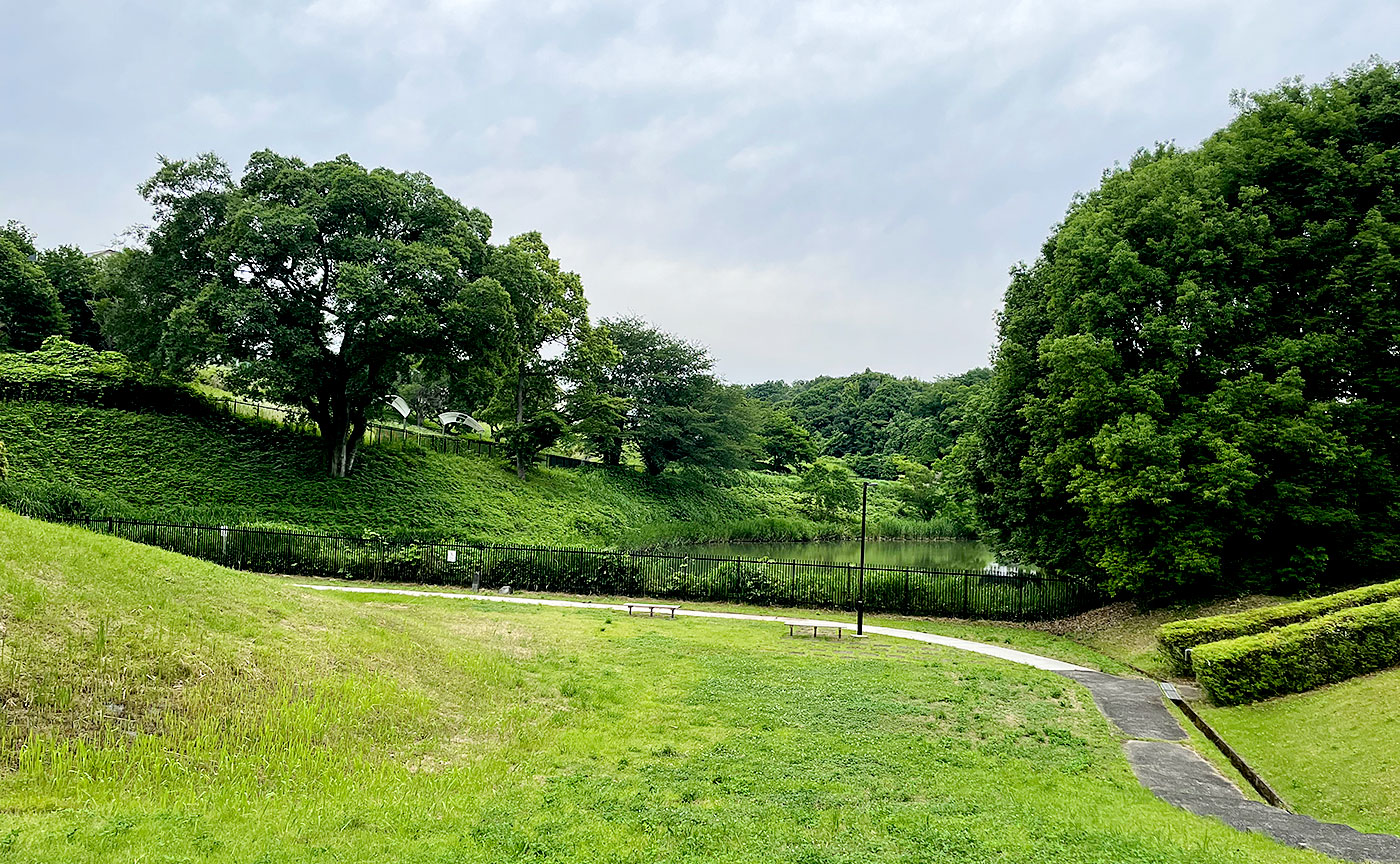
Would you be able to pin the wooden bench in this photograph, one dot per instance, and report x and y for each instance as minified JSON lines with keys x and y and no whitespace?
{"x":793,"y":624}
{"x":651,"y":608}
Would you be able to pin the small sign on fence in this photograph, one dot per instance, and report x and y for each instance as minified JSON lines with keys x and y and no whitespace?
{"x":451,"y":556}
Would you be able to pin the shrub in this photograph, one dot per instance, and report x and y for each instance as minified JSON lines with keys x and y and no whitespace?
{"x":1178,"y":637}
{"x":61,"y":371}
{"x":1302,"y":656}
{"x":746,"y":582}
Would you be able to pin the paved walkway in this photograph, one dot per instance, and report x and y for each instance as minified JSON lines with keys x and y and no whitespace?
{"x":1173,"y":772}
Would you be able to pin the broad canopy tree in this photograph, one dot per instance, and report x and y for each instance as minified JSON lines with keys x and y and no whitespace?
{"x":320,"y":283}
{"x":660,"y":397}
{"x":549,"y":317}
{"x":30,"y":309}
{"x":1196,"y":386}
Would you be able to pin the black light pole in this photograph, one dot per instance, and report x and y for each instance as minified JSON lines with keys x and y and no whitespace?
{"x":860,"y":584}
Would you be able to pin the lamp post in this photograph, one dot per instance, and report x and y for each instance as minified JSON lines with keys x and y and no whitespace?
{"x":860,"y":582}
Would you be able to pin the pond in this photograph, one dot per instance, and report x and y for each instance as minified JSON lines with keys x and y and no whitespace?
{"x":917,"y":554}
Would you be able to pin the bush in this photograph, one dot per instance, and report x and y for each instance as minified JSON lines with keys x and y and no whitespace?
{"x":61,"y":371}
{"x":1178,"y":637}
{"x":875,"y":466}
{"x":746,"y":582}
{"x":1302,"y":656}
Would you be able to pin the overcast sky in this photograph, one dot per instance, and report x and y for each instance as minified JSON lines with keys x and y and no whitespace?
{"x":806,"y":188}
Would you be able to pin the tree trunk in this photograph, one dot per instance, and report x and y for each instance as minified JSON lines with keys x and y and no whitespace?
{"x":339,"y":454}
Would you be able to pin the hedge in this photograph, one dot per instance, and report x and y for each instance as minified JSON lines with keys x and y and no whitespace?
{"x":1178,"y":637}
{"x":61,"y":371}
{"x":1302,"y":656}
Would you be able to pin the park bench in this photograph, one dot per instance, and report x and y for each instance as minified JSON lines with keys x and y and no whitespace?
{"x":794,"y":624}
{"x":652,"y":607}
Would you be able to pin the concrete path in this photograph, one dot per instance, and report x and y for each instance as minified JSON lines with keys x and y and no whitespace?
{"x":1172,"y":772}
{"x":1178,"y":775}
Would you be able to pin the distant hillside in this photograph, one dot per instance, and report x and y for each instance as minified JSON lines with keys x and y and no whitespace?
{"x":230,"y":470}
{"x":871,"y":413}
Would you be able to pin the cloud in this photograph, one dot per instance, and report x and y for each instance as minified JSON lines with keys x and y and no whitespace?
{"x":809,"y":187}
{"x":1116,"y":77}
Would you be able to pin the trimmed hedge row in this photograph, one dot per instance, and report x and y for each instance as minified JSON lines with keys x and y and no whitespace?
{"x":1178,"y":637}
{"x":61,"y":371}
{"x":1301,"y":656}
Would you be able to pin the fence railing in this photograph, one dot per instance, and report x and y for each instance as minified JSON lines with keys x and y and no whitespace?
{"x":1008,"y":595}
{"x":385,"y":434}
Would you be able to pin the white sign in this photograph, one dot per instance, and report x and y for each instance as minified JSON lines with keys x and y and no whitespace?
{"x":451,"y":556}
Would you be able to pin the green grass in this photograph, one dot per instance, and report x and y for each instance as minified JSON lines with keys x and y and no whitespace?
{"x":164,"y":709}
{"x":228,"y":470}
{"x":1333,"y":753}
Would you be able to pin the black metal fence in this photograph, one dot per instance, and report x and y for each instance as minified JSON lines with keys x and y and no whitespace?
{"x":384,"y":434}
{"x":901,"y":590}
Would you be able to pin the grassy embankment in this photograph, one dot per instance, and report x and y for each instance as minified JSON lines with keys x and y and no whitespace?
{"x":226,"y":470}
{"x":1331,"y":753}
{"x":163,"y":707}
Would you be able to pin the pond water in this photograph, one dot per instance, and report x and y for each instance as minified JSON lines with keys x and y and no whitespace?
{"x":917,"y":554}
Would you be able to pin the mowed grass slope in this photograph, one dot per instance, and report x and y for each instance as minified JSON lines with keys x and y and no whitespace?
{"x":1333,"y":753}
{"x":235,"y":471}
{"x":163,"y":709}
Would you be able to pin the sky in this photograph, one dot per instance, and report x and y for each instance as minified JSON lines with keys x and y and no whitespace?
{"x":806,"y":189}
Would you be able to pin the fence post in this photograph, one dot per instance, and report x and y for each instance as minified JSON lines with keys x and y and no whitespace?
{"x":967,"y":587}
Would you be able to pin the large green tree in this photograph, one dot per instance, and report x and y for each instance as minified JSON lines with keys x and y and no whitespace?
{"x":321,"y":284}
{"x":663,"y":400}
{"x":29,"y":307}
{"x":1197,"y":383}
{"x":74,"y":278}
{"x":549,"y":318}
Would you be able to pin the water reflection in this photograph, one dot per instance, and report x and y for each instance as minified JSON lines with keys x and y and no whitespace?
{"x":937,"y":554}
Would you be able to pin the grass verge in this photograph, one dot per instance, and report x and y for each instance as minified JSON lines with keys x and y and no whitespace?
{"x":163,"y":708}
{"x":1331,"y":753}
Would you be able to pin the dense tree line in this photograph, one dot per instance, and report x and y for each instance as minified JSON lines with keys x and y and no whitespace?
{"x":327,"y":286}
{"x":868,"y":415}
{"x":1197,"y":384}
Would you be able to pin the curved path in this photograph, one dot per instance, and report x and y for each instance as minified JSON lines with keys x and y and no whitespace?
{"x":1171,"y":771}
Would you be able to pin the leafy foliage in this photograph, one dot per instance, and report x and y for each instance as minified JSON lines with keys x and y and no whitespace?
{"x":786,"y":443}
{"x":73,"y":276}
{"x":61,"y":371}
{"x":1300,"y":657}
{"x":548,"y":314}
{"x":1195,"y":383}
{"x":872,"y":413}
{"x":29,"y":307}
{"x":827,"y":489}
{"x":321,"y":283}
{"x":656,"y":395}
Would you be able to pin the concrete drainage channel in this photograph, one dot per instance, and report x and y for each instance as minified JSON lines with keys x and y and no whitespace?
{"x":1168,"y":768}
{"x":1246,"y":771}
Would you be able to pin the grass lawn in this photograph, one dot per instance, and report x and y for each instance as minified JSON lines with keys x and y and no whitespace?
{"x":162,"y":709}
{"x":1332,"y":753}
{"x":997,"y":633}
